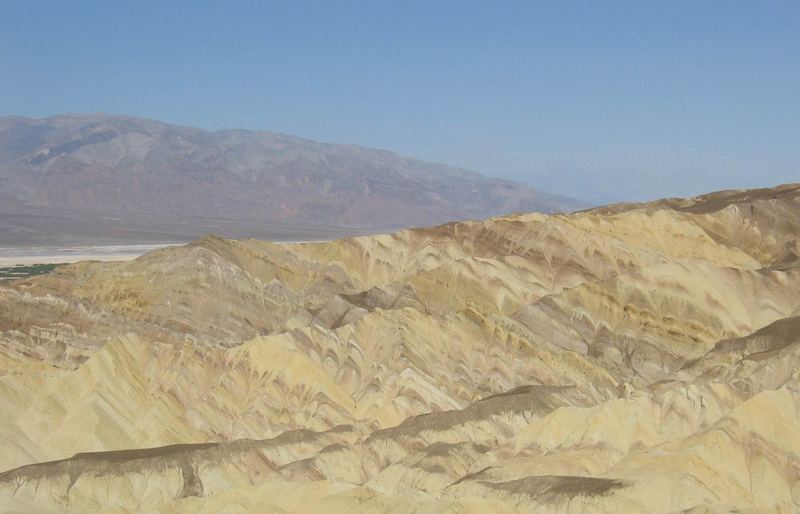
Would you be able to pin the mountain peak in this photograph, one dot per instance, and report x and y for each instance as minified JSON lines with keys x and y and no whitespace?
{"x":104,"y":165}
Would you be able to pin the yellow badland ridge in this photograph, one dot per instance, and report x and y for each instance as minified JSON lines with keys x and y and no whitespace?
{"x":632,"y":358}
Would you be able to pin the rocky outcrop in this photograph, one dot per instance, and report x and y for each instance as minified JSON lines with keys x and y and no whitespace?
{"x":636,"y":358}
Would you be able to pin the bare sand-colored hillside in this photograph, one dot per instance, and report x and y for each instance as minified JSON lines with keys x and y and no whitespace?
{"x":634,"y":358}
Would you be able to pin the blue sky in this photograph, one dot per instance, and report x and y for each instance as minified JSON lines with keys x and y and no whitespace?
{"x":601,"y":100}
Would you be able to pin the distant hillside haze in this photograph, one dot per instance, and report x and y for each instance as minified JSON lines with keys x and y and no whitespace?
{"x":108,"y":164}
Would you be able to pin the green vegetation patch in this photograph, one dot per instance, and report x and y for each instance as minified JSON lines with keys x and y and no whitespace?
{"x":29,"y":270}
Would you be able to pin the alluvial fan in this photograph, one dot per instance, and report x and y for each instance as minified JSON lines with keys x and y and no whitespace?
{"x":633,"y":358}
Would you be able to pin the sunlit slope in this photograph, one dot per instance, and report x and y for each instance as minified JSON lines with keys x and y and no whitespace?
{"x":635,"y":358}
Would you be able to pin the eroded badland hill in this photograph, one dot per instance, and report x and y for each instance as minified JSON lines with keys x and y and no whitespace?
{"x":634,"y":358}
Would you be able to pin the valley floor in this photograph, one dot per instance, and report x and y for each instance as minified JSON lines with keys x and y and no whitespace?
{"x":27,"y":255}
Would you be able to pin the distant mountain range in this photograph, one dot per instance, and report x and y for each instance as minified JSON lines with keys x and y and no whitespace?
{"x":124,"y":178}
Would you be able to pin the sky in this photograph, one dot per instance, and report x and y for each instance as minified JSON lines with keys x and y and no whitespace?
{"x":604,"y":101}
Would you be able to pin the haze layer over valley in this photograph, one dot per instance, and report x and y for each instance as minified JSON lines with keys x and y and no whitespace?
{"x":632,"y":358}
{"x":88,"y":179}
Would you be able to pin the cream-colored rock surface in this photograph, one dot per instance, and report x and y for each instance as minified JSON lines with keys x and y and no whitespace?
{"x":633,"y":358}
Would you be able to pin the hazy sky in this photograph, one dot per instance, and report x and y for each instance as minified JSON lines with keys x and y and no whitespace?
{"x":601,"y":100}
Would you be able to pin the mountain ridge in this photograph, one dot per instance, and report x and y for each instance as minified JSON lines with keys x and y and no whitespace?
{"x":123,"y":165}
{"x":636,"y":359}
